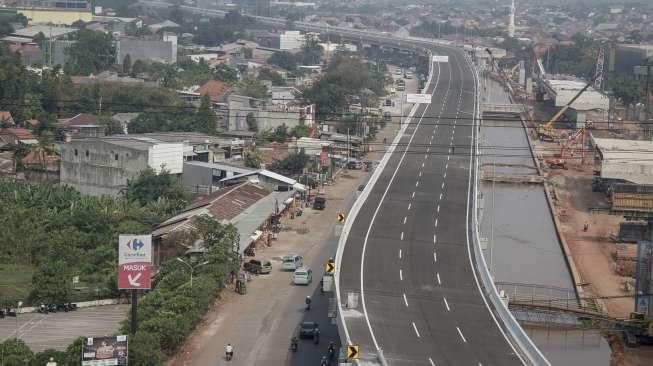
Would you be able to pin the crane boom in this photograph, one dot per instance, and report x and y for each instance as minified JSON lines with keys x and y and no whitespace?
{"x":545,"y":131}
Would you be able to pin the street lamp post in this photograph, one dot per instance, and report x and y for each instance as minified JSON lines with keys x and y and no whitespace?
{"x":192,"y":268}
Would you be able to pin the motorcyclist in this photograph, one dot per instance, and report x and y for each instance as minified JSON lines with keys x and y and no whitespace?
{"x":293,"y":344}
{"x":331,"y":350}
{"x":316,"y":336}
{"x":229,"y":351}
{"x":308,"y":303}
{"x":325,"y":361}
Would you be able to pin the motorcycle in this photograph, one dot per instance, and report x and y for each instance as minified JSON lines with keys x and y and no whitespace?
{"x":293,"y":345}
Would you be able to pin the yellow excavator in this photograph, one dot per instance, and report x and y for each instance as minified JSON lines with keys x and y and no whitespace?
{"x":545,"y":131}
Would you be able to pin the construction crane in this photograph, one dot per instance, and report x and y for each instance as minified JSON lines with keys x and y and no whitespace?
{"x":500,"y":71}
{"x":560,"y":162}
{"x":598,"y":75}
{"x":545,"y":131}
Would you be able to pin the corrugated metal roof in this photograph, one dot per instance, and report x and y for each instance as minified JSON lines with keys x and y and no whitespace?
{"x":630,"y":160}
{"x":223,"y":205}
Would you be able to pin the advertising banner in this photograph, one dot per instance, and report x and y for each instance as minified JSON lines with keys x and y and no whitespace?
{"x":105,"y":351}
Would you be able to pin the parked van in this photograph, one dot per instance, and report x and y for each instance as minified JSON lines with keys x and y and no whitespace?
{"x":292,"y":262}
{"x":302,"y":276}
{"x":319,"y":203}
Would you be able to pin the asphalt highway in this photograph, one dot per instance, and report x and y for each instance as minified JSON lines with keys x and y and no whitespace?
{"x":407,"y":255}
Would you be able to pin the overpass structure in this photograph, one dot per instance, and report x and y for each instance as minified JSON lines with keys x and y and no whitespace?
{"x":412,"y":285}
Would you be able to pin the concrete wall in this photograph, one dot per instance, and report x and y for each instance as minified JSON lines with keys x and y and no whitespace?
{"x":195,"y":176}
{"x":145,"y":50}
{"x":267,"y":119}
{"x":99,"y":172}
{"x":46,"y":16}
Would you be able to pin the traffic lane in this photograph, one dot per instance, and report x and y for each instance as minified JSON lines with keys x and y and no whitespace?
{"x":384,"y":267}
{"x":309,"y":353}
{"x":350,"y":275}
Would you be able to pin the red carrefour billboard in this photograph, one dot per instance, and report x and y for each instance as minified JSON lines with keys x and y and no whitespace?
{"x":134,"y":262}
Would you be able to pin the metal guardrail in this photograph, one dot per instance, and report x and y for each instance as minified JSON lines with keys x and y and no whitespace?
{"x":520,"y":339}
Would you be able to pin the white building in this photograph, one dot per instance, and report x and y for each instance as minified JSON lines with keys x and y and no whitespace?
{"x":291,"y":40}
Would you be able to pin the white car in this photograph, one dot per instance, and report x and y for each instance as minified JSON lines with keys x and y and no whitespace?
{"x":292,"y":262}
{"x":302,"y":276}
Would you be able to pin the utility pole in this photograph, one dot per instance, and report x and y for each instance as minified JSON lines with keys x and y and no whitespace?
{"x":647,"y":93}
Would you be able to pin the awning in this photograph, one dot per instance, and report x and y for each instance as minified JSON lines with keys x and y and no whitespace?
{"x":257,"y":234}
{"x":299,"y":187}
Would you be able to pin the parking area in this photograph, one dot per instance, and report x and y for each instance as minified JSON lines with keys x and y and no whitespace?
{"x":58,"y":330}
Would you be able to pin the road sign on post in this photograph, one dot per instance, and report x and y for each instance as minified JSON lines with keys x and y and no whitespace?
{"x":135,"y":262}
{"x":353,"y":352}
{"x":418,"y":98}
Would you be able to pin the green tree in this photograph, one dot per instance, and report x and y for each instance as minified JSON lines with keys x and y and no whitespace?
{"x":273,"y":76}
{"x":149,"y":187}
{"x":252,"y":158}
{"x":137,"y":68}
{"x":52,"y":282}
{"x":111,"y":126}
{"x":281,"y":133}
{"x":252,"y":124}
{"x":626,"y":89}
{"x":284,"y":60}
{"x":248,"y":53}
{"x":15,"y":353}
{"x":225,"y":73}
{"x":91,"y":52}
{"x":127,"y":64}
{"x":144,"y":349}
{"x":293,"y":164}
{"x":253,"y":88}
{"x":205,"y":118}
{"x":311,"y":51}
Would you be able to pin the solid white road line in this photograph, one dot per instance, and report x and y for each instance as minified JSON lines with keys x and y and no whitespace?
{"x":446,"y":303}
{"x":461,"y":335}
{"x":416,"y":331}
{"x":405,"y":300}
{"x":439,"y":282}
{"x":401,"y":276}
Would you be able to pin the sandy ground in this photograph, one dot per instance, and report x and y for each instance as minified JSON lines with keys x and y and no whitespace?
{"x":592,"y":251}
{"x":261,"y":323}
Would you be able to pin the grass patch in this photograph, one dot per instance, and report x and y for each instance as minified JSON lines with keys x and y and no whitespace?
{"x":15,"y":282}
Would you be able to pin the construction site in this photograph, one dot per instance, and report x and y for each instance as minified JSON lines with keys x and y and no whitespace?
{"x":596,"y":171}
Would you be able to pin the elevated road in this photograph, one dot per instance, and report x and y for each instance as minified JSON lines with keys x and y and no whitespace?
{"x":408,"y":254}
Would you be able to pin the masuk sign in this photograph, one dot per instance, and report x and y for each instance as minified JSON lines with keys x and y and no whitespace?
{"x":134,"y":262}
